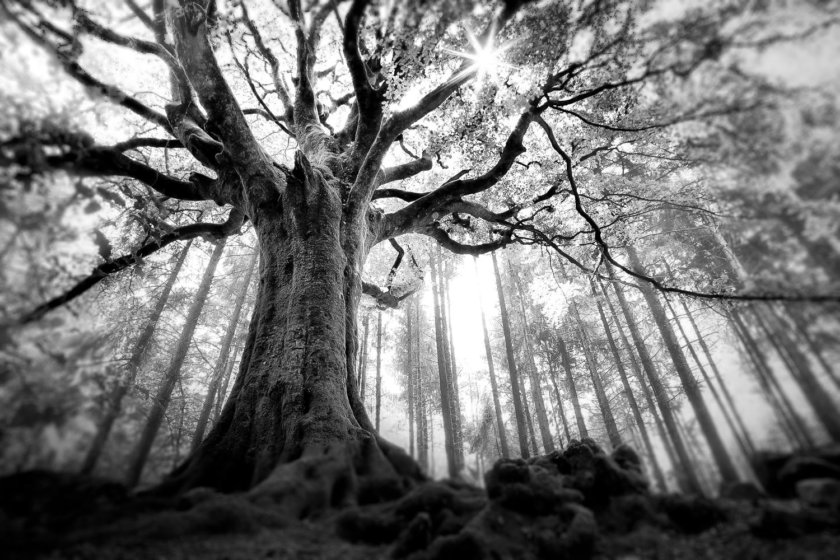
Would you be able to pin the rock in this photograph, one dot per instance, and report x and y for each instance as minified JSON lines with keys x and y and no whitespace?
{"x":691,"y":514}
{"x":821,"y":493}
{"x":600,"y":477}
{"x":802,"y":468}
{"x":741,"y":491}
{"x":527,"y":489}
{"x":784,"y":519}
{"x":57,"y":499}
{"x":416,"y":536}
{"x":375,"y":527}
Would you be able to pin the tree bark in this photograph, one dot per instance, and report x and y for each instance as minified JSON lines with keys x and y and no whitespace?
{"x":170,"y":378}
{"x":114,"y":404}
{"x":684,"y":465}
{"x":628,"y":391}
{"x":497,"y":406}
{"x":294,"y":429}
{"x":692,"y":390}
{"x":518,"y":410}
{"x":224,"y":352}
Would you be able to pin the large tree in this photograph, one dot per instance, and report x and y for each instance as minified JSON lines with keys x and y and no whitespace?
{"x":413,"y":88}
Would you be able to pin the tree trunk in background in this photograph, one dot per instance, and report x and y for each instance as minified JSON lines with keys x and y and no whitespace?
{"x":164,"y":393}
{"x":552,"y":371}
{"x":742,"y":443}
{"x":684,"y":465}
{"x":114,"y":405}
{"x":801,"y":328}
{"x":419,"y":396}
{"x":443,"y":374}
{"x":217,"y":409}
{"x":452,"y":368}
{"x":628,"y":390}
{"x":224,"y":352}
{"x":529,"y":419}
{"x":692,"y":390}
{"x":727,"y":395}
{"x":799,"y":429}
{"x":519,"y":412}
{"x":497,"y":406}
{"x":818,"y":398}
{"x":788,"y":418}
{"x":409,"y":377}
{"x":378,"y":367}
{"x":597,"y":382}
{"x":640,"y":377}
{"x":534,"y":374}
{"x":696,"y":458}
{"x":573,"y":394}
{"x":363,"y":355}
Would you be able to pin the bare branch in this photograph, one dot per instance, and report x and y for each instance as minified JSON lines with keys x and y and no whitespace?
{"x":230,"y":227}
{"x":85,"y":160}
{"x":274,"y":64}
{"x":38,"y":33}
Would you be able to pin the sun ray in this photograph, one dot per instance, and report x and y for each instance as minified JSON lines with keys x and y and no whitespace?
{"x":485,"y":57}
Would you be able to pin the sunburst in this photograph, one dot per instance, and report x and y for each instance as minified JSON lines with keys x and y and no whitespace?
{"x":485,"y":57}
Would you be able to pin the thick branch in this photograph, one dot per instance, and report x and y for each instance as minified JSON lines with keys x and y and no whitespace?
{"x":405,"y":170}
{"x":419,"y":211}
{"x":85,"y":160}
{"x":225,"y":118}
{"x":458,"y":248}
{"x":368,"y":99}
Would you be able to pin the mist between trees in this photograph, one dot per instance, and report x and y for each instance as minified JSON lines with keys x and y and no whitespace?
{"x":361,"y":244}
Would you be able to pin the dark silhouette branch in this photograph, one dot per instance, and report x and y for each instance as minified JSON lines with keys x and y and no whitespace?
{"x":106,"y":269}
{"x":606,"y":253}
{"x":84,"y":160}
{"x":68,"y":60}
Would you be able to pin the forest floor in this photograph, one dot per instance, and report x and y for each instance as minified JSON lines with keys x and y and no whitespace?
{"x":578,"y":503}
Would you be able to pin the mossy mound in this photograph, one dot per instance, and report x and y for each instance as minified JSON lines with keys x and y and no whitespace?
{"x":577,"y":503}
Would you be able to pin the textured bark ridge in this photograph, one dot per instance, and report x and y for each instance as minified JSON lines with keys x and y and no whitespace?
{"x":294,"y":429}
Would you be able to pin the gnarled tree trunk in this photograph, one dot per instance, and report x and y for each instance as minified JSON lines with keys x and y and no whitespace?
{"x":294,"y":428}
